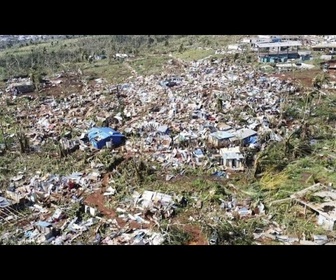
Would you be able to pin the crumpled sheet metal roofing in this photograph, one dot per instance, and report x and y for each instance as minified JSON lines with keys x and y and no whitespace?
{"x":102,"y":133}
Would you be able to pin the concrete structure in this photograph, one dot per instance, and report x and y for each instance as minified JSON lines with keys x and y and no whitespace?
{"x":330,"y":47}
{"x":279,"y":51}
{"x":232,"y":158}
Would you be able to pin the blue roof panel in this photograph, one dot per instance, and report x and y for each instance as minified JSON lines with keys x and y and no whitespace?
{"x":99,"y":133}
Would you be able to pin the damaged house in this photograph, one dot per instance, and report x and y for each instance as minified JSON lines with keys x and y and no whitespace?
{"x":246,"y":135}
{"x":220,"y":139}
{"x":329,"y":64}
{"x":232,"y":158}
{"x":199,"y":156}
{"x":101,"y":137}
{"x":279,"y":51}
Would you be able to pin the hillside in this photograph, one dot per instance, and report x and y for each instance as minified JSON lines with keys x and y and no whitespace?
{"x":168,"y":182}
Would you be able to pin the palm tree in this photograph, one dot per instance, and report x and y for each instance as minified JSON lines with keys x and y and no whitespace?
{"x":4,"y":138}
{"x":308,"y":102}
{"x":259,"y":163}
{"x":172,"y":136}
{"x":300,"y":148}
{"x":36,"y":78}
{"x":318,"y":81}
{"x":284,"y":104}
{"x":297,"y":143}
{"x":23,"y":141}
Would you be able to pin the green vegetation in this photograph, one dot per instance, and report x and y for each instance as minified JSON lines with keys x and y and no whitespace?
{"x":149,"y":64}
{"x":284,"y":168}
{"x":194,"y":54}
{"x":70,"y":54}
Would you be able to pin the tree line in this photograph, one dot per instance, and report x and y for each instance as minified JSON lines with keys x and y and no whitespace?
{"x":51,"y":57}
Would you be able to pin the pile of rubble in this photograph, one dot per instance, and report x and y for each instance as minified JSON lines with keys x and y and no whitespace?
{"x":201,"y":118}
{"x":173,"y":120}
{"x":49,"y":201}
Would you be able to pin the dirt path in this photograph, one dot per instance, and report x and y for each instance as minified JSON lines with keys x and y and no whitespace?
{"x":198,"y":237}
{"x":305,"y":77}
{"x":97,"y":199}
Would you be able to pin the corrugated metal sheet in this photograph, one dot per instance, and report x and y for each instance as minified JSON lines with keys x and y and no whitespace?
{"x":279,"y":44}
{"x":244,"y":133}
{"x":221,"y":135}
{"x":232,"y":155}
{"x":99,"y":136}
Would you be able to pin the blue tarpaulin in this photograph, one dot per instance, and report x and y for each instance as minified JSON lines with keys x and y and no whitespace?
{"x":99,"y":136}
{"x":253,"y":140}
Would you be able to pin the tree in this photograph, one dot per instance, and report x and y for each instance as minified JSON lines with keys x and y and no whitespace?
{"x":318,"y":81}
{"x":181,"y":48}
{"x":23,"y":142}
{"x":150,"y":41}
{"x":259,"y":165}
{"x":4,"y":138}
{"x":219,"y":104}
{"x":36,"y":77}
{"x":308,"y":102}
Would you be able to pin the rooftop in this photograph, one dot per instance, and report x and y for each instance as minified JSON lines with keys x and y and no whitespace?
{"x":244,"y":133}
{"x":325,"y":45}
{"x":221,"y":135}
{"x":279,"y":44}
{"x":99,"y":133}
{"x":232,"y":155}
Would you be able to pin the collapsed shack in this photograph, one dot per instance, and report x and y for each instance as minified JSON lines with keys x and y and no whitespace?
{"x":21,"y":87}
{"x":322,"y":200}
{"x":198,"y":132}
{"x":60,"y":213}
{"x":10,"y":210}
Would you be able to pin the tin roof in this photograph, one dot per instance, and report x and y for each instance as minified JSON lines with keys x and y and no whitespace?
{"x":279,"y":44}
{"x":221,"y":135}
{"x":232,"y":155}
{"x":244,"y":133}
{"x":99,"y":133}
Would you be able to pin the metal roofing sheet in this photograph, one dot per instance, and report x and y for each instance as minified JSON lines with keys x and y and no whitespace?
{"x":221,"y":134}
{"x":279,"y":44}
{"x":102,"y":132}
